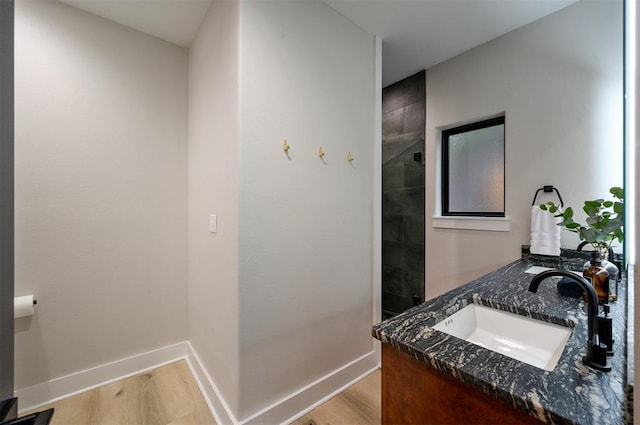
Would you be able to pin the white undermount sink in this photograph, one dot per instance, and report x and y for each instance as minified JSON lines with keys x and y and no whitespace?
{"x":531,"y":341}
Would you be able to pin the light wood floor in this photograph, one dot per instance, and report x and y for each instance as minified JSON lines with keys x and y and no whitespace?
{"x":358,"y":405}
{"x":169,"y":395}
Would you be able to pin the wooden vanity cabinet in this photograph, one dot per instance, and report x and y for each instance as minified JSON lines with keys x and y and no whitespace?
{"x":416,"y":393}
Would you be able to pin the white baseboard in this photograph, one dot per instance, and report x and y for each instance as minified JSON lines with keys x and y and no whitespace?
{"x":313,"y":395}
{"x":294,"y":405}
{"x":84,"y":380}
{"x":218,"y":406}
{"x":283,"y":411}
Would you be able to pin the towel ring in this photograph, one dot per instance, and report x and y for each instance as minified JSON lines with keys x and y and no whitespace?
{"x":547,"y":189}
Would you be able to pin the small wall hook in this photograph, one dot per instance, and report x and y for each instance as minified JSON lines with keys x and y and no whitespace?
{"x":285,"y":146}
{"x":320,"y":152}
{"x":350,"y":157}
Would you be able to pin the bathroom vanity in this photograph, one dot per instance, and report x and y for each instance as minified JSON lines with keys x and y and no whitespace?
{"x":429,"y":376}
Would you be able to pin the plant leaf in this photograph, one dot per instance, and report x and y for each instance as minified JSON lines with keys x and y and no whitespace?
{"x":568,"y":213}
{"x":600,"y":237}
{"x":588,"y":234}
{"x":611,"y":226}
{"x":594,"y":221}
{"x":591,"y":210}
{"x":603,"y":226}
{"x":618,"y":207}
{"x":618,"y":192}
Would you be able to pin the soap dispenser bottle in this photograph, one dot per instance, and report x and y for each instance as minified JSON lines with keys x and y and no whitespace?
{"x":599,"y":278}
{"x":606,"y":260}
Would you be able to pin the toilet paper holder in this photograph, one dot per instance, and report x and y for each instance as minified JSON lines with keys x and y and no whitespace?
{"x":24,"y":306}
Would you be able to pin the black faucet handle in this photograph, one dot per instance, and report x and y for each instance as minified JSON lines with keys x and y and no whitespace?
{"x":596,"y":355}
{"x":605,"y":332}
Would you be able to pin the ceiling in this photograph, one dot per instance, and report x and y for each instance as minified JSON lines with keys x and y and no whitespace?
{"x":416,"y":34}
{"x":176,"y":21}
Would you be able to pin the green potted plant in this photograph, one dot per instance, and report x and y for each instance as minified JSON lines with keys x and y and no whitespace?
{"x":604,"y":224}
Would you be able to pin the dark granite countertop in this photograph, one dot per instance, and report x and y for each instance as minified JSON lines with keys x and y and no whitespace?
{"x":630,"y":347}
{"x":570,"y":394}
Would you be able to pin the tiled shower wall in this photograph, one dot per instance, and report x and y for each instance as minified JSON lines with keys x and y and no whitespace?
{"x":403,"y":127}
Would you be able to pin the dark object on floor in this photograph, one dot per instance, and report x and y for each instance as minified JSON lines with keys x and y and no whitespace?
{"x":40,"y":418}
{"x":9,"y":413}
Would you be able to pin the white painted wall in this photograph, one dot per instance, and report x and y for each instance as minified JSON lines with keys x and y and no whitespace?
{"x":214,"y":173}
{"x":306,"y":227}
{"x":124,"y":147}
{"x":101,"y":190}
{"x":282,"y":295}
{"x":559,"y":81}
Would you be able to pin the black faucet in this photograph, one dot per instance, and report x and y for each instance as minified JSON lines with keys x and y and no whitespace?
{"x":596,"y":353}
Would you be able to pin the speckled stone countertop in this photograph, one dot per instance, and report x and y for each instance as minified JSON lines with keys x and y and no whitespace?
{"x":570,"y":394}
{"x":630,"y":347}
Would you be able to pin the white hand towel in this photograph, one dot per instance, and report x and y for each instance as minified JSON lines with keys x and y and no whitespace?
{"x":545,"y":233}
{"x":547,"y":251}
{"x":544,"y":239}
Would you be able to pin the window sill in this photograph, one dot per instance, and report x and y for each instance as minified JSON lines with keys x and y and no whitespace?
{"x":494,"y":224}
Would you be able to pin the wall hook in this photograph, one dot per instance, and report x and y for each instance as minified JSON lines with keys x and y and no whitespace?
{"x":320,"y":152}
{"x":285,"y":146}
{"x":350,"y":157}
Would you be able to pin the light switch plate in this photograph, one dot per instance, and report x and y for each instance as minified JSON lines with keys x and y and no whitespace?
{"x":213,"y":223}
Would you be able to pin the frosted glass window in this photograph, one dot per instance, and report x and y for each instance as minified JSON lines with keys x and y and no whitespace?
{"x":473,"y":169}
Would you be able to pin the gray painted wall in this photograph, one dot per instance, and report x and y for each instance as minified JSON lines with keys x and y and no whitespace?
{"x":6,"y":199}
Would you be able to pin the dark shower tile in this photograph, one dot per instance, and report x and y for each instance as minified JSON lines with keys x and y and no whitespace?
{"x":407,"y":257}
{"x":413,"y":174}
{"x":402,"y":286}
{"x":394,"y":281}
{"x":393,"y":304}
{"x":393,"y":255}
{"x":403,"y":194}
{"x":393,"y":122}
{"x":393,"y":228}
{"x":393,"y":176}
{"x":414,"y":282}
{"x":401,"y":148}
{"x":413,"y":257}
{"x":414,"y":117}
{"x":404,"y":92}
{"x":413,"y":229}
{"x":405,"y":201}
{"x":406,"y":157}
{"x":407,"y":139}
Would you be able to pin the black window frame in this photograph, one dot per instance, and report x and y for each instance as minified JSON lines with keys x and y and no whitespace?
{"x":445,"y":167}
